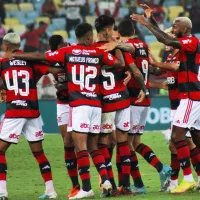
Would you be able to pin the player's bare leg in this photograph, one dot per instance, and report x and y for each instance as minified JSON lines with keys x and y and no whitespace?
{"x":45,"y":169}
{"x":99,"y":162}
{"x":3,"y":170}
{"x":138,"y":186}
{"x":70,"y":159}
{"x":147,"y":153}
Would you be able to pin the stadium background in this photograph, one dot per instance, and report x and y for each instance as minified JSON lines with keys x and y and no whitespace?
{"x":22,"y":16}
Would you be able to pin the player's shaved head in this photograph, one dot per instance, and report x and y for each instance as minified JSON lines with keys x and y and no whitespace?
{"x":185,"y":21}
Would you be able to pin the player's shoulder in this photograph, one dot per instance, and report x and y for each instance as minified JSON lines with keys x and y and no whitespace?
{"x":189,"y":39}
{"x":137,"y":43}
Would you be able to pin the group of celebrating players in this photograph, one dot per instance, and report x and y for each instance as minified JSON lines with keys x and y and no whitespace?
{"x":102,"y":101}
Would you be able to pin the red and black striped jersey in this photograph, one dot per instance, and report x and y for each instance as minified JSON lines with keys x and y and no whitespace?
{"x":172,"y":80}
{"x":189,"y":73}
{"x":141,"y":57}
{"x":115,"y":95}
{"x":20,"y":78}
{"x":83,"y":65}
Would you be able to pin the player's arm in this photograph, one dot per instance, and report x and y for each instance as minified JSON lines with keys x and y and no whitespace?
{"x":118,"y":45}
{"x":111,"y":61}
{"x":149,"y":14}
{"x":29,"y":56}
{"x":166,"y":66}
{"x":160,"y":35}
{"x":160,"y":85}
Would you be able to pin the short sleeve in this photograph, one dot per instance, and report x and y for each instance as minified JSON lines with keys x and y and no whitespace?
{"x":108,"y":59}
{"x":56,"y":56}
{"x":128,"y":58}
{"x":188,"y":44}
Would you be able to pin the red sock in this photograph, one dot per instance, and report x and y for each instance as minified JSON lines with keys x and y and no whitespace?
{"x":147,"y":153}
{"x":71,"y":165}
{"x":104,"y":151}
{"x":45,"y":167}
{"x":135,"y":172}
{"x":195,"y":159}
{"x":99,"y":163}
{"x":175,"y":165}
{"x":119,"y":169}
{"x":183,"y":153}
{"x":84,"y":169}
{"x":125,"y":159}
{"x":3,"y":166}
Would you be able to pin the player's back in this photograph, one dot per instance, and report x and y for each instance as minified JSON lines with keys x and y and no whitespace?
{"x":20,"y":84}
{"x":114,"y":92}
{"x":83,"y":72}
{"x":141,"y":57}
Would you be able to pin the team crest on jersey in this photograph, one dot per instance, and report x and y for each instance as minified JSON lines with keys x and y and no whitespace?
{"x":76,"y":51}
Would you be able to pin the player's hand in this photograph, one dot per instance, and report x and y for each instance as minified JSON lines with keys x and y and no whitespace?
{"x":2,"y":96}
{"x":109,"y":46}
{"x":139,"y":18}
{"x":164,"y":85}
{"x":128,"y":77}
{"x":9,"y":55}
{"x":140,"y":97}
{"x":147,"y":10}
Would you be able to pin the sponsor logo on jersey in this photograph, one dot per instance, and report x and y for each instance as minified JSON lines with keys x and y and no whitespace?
{"x":53,"y":53}
{"x":89,"y":94}
{"x":19,"y":103}
{"x":96,"y":127}
{"x":46,"y":167}
{"x":135,"y":127}
{"x":126,"y":124}
{"x":107,"y":126}
{"x":14,"y":136}
{"x":112,"y":96}
{"x":76,"y":51}
{"x":127,"y":160}
{"x":39,"y":134}
{"x":88,"y":52}
{"x":84,"y":125}
{"x":110,"y":57}
{"x":187,"y":41}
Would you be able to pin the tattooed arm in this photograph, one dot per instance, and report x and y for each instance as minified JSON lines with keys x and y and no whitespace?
{"x":160,"y":35}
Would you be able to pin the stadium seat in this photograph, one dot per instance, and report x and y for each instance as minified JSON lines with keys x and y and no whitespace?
{"x":171,"y":3}
{"x":42,"y":19}
{"x":59,"y":23}
{"x":123,"y":12}
{"x":92,"y":7}
{"x":10,"y":7}
{"x":155,"y":48}
{"x":19,"y":29}
{"x":26,"y":7}
{"x":31,"y":15}
{"x":57,"y":2}
{"x":149,"y":39}
{"x":197,"y":35}
{"x":62,"y":33}
{"x":90,"y":19}
{"x":11,"y":21}
{"x":174,"y":11}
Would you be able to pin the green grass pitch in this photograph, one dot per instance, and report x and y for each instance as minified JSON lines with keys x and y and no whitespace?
{"x":25,"y":182}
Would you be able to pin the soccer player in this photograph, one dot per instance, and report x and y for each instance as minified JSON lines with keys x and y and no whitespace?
{"x":188,"y":84}
{"x":83,"y":64}
{"x":115,"y":106}
{"x":56,"y":42}
{"x":139,"y":111}
{"x":22,"y":113}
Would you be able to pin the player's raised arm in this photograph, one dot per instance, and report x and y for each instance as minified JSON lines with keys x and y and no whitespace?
{"x":160,"y":35}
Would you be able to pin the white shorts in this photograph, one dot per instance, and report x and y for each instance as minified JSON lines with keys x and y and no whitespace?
{"x":172,"y":114}
{"x":12,"y":128}
{"x":116,"y":120}
{"x":62,"y":114}
{"x":85,"y":119}
{"x":138,"y":119}
{"x":188,"y":112}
